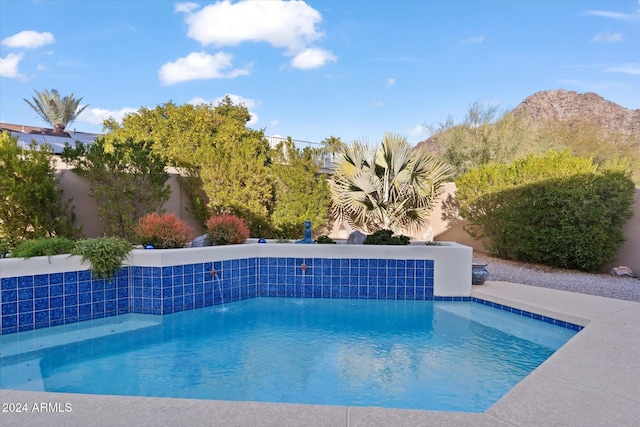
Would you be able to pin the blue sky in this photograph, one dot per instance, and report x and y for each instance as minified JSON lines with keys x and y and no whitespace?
{"x":353,"y":69}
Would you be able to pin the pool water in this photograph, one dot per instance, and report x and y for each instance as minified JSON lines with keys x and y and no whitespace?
{"x":448,"y":356}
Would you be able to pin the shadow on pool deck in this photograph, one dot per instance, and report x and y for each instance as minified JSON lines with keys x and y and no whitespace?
{"x":593,"y":380}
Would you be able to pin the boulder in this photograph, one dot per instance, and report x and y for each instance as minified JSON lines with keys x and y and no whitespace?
{"x":201,"y":241}
{"x":356,"y":238}
{"x":622,"y":271}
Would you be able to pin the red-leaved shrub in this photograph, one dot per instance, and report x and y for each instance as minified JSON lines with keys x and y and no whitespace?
{"x":163,"y":231}
{"x":227,"y":230}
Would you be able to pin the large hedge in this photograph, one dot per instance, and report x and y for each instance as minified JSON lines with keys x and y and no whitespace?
{"x":557,"y":209}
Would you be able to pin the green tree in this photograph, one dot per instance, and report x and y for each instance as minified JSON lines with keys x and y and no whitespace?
{"x":302,"y":193}
{"x":485,"y":136}
{"x":392,"y":186}
{"x":30,"y":198}
{"x":56,"y":110}
{"x":214,"y":151}
{"x":127,"y":180}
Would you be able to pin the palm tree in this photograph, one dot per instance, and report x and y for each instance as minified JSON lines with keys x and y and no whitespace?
{"x":58,"y":112}
{"x":332,"y":144}
{"x":391,"y":187}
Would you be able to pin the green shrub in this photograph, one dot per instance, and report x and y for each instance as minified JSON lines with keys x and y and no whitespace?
{"x":31,"y":201}
{"x":42,"y":247}
{"x":163,"y":231}
{"x":325,"y":240}
{"x":557,"y":210}
{"x":106,"y":254}
{"x":227,"y":230}
{"x":385,"y":237}
{"x":4,"y":247}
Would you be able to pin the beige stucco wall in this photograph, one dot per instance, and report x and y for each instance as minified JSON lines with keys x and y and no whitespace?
{"x":629,"y":253}
{"x":86,"y":210}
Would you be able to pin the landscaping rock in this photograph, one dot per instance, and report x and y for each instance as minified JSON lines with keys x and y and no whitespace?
{"x":356,"y":238}
{"x":201,"y":241}
{"x":622,"y":271}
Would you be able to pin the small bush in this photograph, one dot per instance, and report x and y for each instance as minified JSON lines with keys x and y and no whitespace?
{"x":325,"y":240}
{"x":42,"y":247}
{"x":385,"y":237}
{"x":163,"y":231}
{"x":105,"y":254}
{"x":227,"y":230}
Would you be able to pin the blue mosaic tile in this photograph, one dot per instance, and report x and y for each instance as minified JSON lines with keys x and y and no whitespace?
{"x":9,"y":296}
{"x":70,"y":300}
{"x":9,"y":283}
{"x":41,"y":280}
{"x":10,"y":321}
{"x":25,"y":306}
{"x":123,"y":304}
{"x":25,"y":318}
{"x":56,"y":278}
{"x":56,"y":302}
{"x":42,"y":317}
{"x":84,"y":309}
{"x":97,"y":285}
{"x":84,"y":286}
{"x":10,"y":308}
{"x":56,"y":290}
{"x":97,"y":307}
{"x":25,"y":294}
{"x":25,"y":282}
{"x":70,"y":276}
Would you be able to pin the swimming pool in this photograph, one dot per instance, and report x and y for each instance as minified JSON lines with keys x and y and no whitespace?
{"x":435,"y":355}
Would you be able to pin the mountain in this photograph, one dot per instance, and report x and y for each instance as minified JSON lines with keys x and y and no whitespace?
{"x":563,"y":105}
{"x":567,"y":105}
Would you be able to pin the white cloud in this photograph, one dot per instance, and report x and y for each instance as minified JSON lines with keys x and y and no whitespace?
{"x":417,"y":130}
{"x":377,"y":104}
{"x":274,"y":122}
{"x":633,"y":18}
{"x":96,"y":116}
{"x":607,"y":36}
{"x":28,"y":40}
{"x":473,"y":39}
{"x":391,"y":81}
{"x":283,"y":24}
{"x":236,"y":99}
{"x":9,"y":65}
{"x":199,"y":66}
{"x":633,"y":69}
{"x":186,"y":7}
{"x":312,"y":58}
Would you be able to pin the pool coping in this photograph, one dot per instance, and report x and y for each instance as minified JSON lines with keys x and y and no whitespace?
{"x":594,"y":379}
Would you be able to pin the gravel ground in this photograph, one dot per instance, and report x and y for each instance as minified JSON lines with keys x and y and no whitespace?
{"x":625,"y":288}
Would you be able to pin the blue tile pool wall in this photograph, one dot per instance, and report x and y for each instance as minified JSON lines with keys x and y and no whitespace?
{"x":528,"y":314}
{"x":43,"y":300}
{"x":40,"y":301}
{"x":345,"y":278}
{"x":165,"y":290}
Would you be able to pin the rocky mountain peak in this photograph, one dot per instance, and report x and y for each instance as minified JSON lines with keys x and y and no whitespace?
{"x":569,"y":105}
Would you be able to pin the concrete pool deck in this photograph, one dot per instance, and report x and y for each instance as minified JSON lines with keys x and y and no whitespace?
{"x":593,"y":380}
